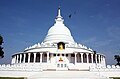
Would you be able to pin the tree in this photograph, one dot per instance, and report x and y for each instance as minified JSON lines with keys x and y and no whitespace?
{"x":117,"y":58}
{"x":1,"y":51}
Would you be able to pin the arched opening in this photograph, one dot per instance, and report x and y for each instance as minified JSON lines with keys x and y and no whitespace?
{"x":31,"y":57}
{"x":72,"y":59}
{"x":44,"y":58}
{"x":89,"y":57}
{"x":16,"y":59}
{"x":97,"y":58}
{"x":26,"y":58}
{"x":78,"y":57}
{"x":61,"y":46}
{"x":19,"y":58}
{"x":94,"y":58}
{"x":84,"y":58}
{"x":37,"y":57}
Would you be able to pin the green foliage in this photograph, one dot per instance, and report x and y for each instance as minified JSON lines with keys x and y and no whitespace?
{"x":117,"y":58}
{"x":1,"y":51}
{"x":116,"y":78}
{"x":11,"y":78}
{"x":1,"y":40}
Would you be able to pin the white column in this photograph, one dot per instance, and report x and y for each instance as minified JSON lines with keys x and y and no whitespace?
{"x":28,"y":57}
{"x":81,"y":57}
{"x":96,"y":58}
{"x":99,"y":58}
{"x":104,"y":63}
{"x":87,"y":58}
{"x":12,"y":60}
{"x":34,"y":57}
{"x":47,"y":57}
{"x":75,"y":58}
{"x":102,"y":60}
{"x":15,"y":59}
{"x":24,"y":58}
{"x":41,"y":57}
{"x":91,"y":58}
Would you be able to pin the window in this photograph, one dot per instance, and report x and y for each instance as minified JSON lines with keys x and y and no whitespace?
{"x":65,"y":65}
{"x":58,"y":54}
{"x":66,"y":55}
{"x":58,"y":65}
{"x":62,"y":54}
{"x":54,"y":54}
{"x":61,"y":65}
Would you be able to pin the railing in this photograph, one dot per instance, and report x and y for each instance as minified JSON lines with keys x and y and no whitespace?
{"x":108,"y":68}
{"x":21,"y":67}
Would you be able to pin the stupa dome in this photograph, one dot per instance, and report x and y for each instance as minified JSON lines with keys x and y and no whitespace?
{"x":59,"y":29}
{"x":59,"y":32}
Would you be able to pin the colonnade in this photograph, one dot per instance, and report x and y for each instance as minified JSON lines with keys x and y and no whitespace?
{"x":30,"y":57}
{"x":89,"y":58}
{"x":41,"y":57}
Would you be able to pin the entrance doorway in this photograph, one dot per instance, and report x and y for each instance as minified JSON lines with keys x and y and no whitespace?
{"x":62,"y":66}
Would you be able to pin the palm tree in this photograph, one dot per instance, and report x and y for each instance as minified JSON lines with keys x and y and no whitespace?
{"x":1,"y":51}
{"x":117,"y":58}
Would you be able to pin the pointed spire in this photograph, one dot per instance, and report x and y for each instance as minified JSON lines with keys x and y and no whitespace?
{"x":59,"y":12}
{"x":59,"y":17}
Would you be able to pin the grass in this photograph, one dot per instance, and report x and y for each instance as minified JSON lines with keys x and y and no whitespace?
{"x":12,"y":78}
{"x":115,"y":78}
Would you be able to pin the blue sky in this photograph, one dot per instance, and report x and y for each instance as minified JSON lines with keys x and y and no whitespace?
{"x":94,"y":23}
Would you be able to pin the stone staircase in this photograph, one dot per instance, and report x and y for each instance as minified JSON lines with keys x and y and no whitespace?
{"x":67,"y":75}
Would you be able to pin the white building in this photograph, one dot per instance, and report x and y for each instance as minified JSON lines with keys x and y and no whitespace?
{"x":59,"y":56}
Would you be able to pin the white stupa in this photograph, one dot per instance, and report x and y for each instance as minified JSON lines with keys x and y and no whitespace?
{"x":60,"y":51}
{"x":58,"y":56}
